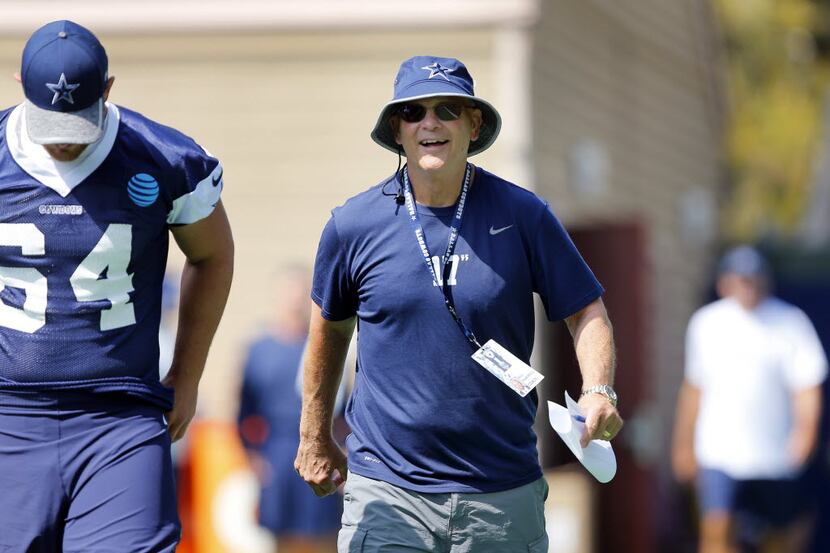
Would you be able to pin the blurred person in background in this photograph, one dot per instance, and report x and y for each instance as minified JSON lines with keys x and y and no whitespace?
{"x":90,"y":193}
{"x":748,"y":412}
{"x":442,"y":454}
{"x":269,"y":420}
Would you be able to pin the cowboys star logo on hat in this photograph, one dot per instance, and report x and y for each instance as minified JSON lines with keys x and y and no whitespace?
{"x":437,"y":69}
{"x":62,"y":90}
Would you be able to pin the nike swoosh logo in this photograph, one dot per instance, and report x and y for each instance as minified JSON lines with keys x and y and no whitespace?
{"x":217,"y":180}
{"x":495,"y":231}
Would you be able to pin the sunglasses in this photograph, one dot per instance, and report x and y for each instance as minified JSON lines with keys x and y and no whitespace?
{"x":445,"y":111}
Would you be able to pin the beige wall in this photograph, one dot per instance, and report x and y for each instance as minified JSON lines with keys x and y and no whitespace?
{"x":631,"y":86}
{"x":289,"y":115}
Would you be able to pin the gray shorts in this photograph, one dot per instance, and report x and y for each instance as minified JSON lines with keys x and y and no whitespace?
{"x":379,"y":517}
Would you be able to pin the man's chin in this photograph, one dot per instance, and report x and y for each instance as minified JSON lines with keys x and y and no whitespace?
{"x":431,"y":163}
{"x":65,"y":152}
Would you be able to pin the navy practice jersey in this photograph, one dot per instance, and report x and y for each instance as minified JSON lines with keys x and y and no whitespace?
{"x":269,"y":422}
{"x":83,"y":249}
{"x":423,"y":414}
{"x":269,"y":390}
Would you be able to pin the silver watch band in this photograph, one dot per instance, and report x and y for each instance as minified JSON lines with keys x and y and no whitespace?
{"x":604,"y":390}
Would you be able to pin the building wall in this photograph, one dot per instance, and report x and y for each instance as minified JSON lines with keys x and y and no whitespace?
{"x":626,"y":128}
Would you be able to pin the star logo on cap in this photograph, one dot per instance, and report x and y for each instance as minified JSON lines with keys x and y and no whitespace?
{"x":436,"y":69}
{"x":62,"y":90}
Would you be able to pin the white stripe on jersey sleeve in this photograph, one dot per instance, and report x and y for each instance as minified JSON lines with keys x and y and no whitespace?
{"x":198,"y":204}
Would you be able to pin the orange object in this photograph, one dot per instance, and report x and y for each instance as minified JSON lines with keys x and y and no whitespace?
{"x":224,"y":491}
{"x":185,"y":501}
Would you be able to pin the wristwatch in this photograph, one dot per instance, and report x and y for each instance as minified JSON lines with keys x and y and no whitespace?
{"x":603,"y":390}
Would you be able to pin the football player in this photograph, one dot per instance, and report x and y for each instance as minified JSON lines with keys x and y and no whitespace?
{"x":89,"y":193}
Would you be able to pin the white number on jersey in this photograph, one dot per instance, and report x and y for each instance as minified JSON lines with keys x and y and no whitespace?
{"x":455,"y":260}
{"x":111,"y":253}
{"x":33,"y":314}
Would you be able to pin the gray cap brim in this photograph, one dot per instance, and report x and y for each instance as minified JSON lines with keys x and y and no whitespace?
{"x":84,"y":126}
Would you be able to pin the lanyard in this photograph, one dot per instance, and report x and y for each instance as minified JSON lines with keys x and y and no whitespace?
{"x":455,"y":227}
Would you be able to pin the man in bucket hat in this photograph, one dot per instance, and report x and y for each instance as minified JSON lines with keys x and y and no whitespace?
{"x":89,"y":192}
{"x":442,"y":455}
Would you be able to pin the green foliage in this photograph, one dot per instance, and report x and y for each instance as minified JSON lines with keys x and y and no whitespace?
{"x":777,"y":85}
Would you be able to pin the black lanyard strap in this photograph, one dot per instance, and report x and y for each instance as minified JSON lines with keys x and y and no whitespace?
{"x":455,"y":229}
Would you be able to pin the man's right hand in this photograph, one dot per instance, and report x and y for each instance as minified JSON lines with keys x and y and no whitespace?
{"x":321,"y":464}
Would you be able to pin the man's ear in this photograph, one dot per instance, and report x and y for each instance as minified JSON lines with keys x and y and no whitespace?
{"x":475,"y":116}
{"x":108,"y":87}
{"x":17,"y":77}
{"x":395,"y":124}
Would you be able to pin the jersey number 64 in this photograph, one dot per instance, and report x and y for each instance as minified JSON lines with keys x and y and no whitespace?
{"x":111,"y":253}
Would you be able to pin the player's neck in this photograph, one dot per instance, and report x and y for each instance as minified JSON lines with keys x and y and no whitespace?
{"x":749,"y":304}
{"x":436,"y":188}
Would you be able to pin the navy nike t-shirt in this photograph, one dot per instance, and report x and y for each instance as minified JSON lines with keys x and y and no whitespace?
{"x":424,"y":415}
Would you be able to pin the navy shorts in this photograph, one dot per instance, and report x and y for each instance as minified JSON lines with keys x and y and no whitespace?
{"x":82,"y":472}
{"x":756,"y":504}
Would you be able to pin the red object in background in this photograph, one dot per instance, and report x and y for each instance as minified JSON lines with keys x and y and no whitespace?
{"x":254,"y":429}
{"x":185,"y":500}
{"x":625,"y":520}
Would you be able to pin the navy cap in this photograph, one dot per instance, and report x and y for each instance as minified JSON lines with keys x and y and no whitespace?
{"x":429,"y":76}
{"x":744,"y":261}
{"x":64,"y":75}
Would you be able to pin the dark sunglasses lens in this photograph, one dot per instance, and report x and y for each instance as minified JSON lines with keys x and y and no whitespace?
{"x":412,"y":113}
{"x":448,"y":112}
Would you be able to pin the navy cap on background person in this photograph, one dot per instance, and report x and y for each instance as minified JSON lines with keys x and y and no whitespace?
{"x":423,"y":77}
{"x":64,"y":77}
{"x":745,"y":261}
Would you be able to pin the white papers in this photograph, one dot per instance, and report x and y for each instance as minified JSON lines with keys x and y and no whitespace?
{"x":598,"y":457}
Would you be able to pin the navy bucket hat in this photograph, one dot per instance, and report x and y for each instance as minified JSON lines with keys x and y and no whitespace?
{"x":429,"y":76}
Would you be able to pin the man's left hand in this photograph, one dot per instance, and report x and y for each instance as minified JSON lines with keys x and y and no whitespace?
{"x":602,"y":420}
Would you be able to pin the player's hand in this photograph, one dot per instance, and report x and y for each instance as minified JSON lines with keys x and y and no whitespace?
{"x":602,"y":420}
{"x":321,"y":464}
{"x":184,"y":405}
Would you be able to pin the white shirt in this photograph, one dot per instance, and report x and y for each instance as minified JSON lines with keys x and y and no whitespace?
{"x":747,"y":364}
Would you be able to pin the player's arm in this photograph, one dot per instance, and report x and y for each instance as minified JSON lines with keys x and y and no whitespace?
{"x":318,"y":455}
{"x":593,"y":341}
{"x":206,"y":280}
{"x":806,"y":418}
{"x":683,"y":455}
